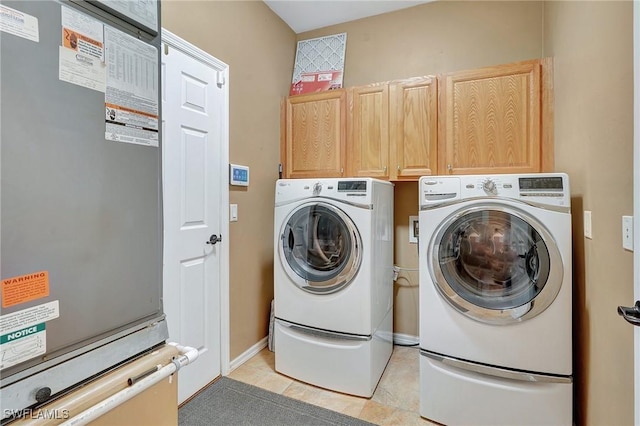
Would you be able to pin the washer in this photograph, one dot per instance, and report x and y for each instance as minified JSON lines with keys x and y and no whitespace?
{"x":333,"y":281}
{"x":496,"y":299}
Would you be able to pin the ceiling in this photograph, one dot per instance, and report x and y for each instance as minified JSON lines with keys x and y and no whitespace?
{"x":307,"y":15}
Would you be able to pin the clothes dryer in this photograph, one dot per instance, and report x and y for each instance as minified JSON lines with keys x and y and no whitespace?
{"x":496,"y":299}
{"x":333,"y":281}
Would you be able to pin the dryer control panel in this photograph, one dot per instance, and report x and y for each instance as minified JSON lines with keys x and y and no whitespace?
{"x":361,"y":191}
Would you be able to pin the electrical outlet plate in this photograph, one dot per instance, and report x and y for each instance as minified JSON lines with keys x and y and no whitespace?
{"x":233,"y":212}
{"x":627,"y":232}
{"x":413,"y":229}
{"x":587,"y":224}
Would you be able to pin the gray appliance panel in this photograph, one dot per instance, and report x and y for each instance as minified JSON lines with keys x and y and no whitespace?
{"x":136,"y":13}
{"x":85,"y":209}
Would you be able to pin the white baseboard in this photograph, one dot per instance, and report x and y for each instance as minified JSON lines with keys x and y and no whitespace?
{"x":248,"y":354}
{"x":405,"y":339}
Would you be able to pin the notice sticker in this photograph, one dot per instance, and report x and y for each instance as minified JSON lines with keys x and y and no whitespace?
{"x":23,"y":335}
{"x":22,"y":345}
{"x":24,"y":288}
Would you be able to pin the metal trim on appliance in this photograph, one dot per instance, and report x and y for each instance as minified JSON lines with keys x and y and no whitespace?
{"x":523,"y":376}
{"x":54,"y":359}
{"x":349,"y":268}
{"x":541,"y":301}
{"x":21,"y":394}
{"x":322,"y":333}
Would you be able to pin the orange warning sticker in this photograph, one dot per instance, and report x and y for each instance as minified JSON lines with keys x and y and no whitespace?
{"x":24,"y":288}
{"x":74,"y":40}
{"x":82,"y":44}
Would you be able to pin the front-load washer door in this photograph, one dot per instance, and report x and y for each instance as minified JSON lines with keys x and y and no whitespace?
{"x":320,"y":248}
{"x":495,"y":264}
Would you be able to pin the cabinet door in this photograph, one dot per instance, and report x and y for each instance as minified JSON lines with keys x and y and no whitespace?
{"x":490,"y":120}
{"x":368,"y":141}
{"x":414,"y":129}
{"x":315,"y":132}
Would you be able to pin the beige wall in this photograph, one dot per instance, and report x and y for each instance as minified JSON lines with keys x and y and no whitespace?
{"x":592,"y":47}
{"x":259,"y":49}
{"x":591,"y":43}
{"x":425,"y":40}
{"x":438,"y":37}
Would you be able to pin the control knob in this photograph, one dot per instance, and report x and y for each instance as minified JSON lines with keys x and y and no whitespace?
{"x":490,"y":187}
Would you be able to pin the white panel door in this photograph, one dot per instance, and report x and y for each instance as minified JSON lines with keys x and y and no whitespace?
{"x":193,"y":132}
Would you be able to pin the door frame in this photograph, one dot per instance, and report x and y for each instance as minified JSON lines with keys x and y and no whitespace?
{"x":636,"y":198}
{"x":223,"y":163}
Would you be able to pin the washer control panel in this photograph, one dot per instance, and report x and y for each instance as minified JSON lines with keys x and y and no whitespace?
{"x":541,"y":188}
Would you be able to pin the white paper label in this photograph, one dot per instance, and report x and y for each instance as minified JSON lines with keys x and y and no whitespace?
{"x":29,"y":317}
{"x":19,"y":24}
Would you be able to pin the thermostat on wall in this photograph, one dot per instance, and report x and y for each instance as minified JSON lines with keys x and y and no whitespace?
{"x":238,"y":175}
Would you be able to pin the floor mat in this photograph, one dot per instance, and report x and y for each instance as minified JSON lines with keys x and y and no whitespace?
{"x":229,"y":402}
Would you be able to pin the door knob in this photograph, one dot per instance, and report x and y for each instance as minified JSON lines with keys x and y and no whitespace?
{"x":632,"y":315}
{"x":213,"y":239}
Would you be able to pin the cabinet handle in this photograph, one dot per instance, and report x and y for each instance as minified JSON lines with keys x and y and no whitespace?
{"x":398,"y":167}
{"x":384,"y":169}
{"x":341,"y":171}
{"x":449,"y":168}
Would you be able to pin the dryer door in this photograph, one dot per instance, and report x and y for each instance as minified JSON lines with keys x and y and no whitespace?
{"x":320,"y":249}
{"x":496,"y":264}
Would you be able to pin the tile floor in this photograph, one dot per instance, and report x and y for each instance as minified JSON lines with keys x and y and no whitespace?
{"x":395,"y":401}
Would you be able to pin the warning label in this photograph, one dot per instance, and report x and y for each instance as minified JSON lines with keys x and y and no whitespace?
{"x":24,"y":288}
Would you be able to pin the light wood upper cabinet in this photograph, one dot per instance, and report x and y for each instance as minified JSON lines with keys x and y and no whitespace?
{"x":315,"y":135}
{"x":491,"y":120}
{"x":392,"y":129}
{"x":368,"y":131}
{"x":413,"y":129}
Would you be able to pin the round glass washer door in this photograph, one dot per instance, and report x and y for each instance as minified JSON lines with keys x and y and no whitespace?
{"x":322,"y":247}
{"x":496,"y":264}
